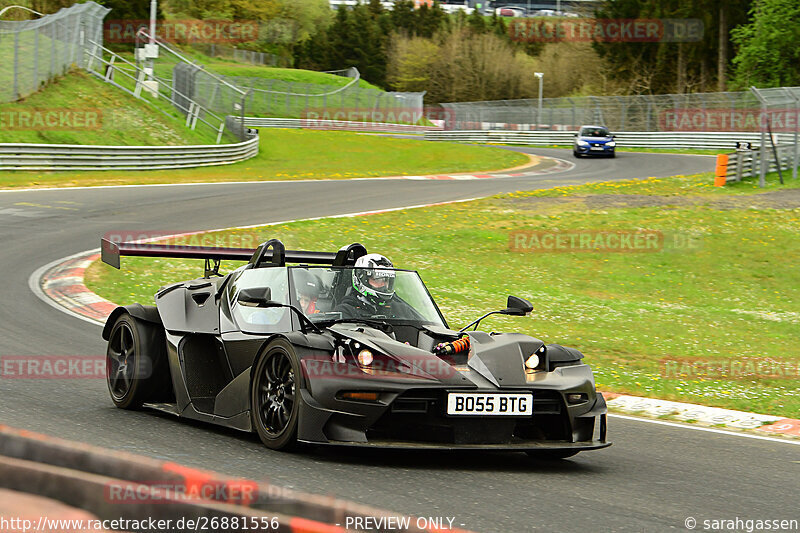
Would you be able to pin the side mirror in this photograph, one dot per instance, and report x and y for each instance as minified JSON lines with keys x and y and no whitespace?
{"x":259,"y":296}
{"x":517,"y":306}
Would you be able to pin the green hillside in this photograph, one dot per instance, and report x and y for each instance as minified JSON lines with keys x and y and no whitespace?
{"x":80,"y":109}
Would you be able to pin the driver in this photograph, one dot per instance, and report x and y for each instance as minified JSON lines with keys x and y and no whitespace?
{"x":373,"y":289}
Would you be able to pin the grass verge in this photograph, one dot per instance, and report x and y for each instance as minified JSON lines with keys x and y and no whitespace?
{"x":723,"y":288}
{"x":120,"y":118}
{"x":302,"y":154}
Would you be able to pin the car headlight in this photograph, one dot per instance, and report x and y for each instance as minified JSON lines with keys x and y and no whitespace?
{"x":582,"y":143}
{"x":612,"y":144}
{"x":534,"y":359}
{"x":365,"y":357}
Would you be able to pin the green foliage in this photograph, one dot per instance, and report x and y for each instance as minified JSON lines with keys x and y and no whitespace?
{"x":364,"y":35}
{"x":665,"y":67}
{"x":130,"y":9}
{"x":768,"y":53}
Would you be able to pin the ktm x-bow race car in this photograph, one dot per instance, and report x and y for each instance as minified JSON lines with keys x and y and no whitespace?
{"x":342,"y":348}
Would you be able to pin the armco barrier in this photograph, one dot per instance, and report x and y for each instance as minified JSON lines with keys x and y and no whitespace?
{"x":735,"y":166}
{"x":113,"y":484}
{"x":338,"y":125}
{"x":711,"y":140}
{"x":91,"y":157}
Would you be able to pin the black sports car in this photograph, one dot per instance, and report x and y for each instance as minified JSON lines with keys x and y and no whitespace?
{"x":295,"y":347}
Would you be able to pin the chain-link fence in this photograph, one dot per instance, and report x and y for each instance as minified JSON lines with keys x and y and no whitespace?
{"x":243,"y":56}
{"x":351,"y":101}
{"x":32,"y":52}
{"x":780,"y":112}
{"x":725,"y":111}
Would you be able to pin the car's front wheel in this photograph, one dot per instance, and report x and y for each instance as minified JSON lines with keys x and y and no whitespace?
{"x":576,"y":154}
{"x":274,"y":396}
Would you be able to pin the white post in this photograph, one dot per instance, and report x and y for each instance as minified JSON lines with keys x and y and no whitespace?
{"x":539,"y":75}
{"x":153,"y":6}
{"x":151,"y":62}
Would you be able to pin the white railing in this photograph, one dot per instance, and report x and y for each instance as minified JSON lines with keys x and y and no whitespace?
{"x":89,"y":157}
{"x":643,"y":139}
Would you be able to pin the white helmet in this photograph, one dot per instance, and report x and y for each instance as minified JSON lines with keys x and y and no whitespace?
{"x":373,"y":278}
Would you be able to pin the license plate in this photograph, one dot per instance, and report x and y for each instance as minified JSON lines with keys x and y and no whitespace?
{"x":597,"y":148}
{"x":468,"y":403}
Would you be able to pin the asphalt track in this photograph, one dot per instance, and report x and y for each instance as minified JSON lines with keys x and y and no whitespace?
{"x":651,"y":479}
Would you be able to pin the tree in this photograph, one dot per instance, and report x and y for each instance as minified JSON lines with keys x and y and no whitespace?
{"x":658,"y":67}
{"x":767,"y":52}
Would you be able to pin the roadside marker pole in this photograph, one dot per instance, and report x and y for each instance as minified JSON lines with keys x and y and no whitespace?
{"x":722,"y":170}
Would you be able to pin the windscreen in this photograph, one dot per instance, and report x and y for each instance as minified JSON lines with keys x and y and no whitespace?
{"x":594,"y":132}
{"x":253,"y":318}
{"x":326,"y":294}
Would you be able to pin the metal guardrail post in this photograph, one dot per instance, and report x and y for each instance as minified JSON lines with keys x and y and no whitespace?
{"x":16,"y":66}
{"x":739,"y":165}
{"x":764,"y":160}
{"x":795,"y":94}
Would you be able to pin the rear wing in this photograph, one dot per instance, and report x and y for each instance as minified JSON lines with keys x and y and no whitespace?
{"x":270,"y":253}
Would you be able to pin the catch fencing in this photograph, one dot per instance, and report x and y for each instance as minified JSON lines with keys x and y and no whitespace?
{"x":287,"y":99}
{"x":32,"y":52}
{"x":335,"y":125}
{"x":698,"y":112}
{"x":243,"y":56}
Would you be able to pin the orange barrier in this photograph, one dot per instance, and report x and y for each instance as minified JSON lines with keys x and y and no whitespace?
{"x":722,"y":170}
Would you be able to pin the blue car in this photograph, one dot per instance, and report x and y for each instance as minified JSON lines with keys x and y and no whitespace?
{"x":594,"y":140}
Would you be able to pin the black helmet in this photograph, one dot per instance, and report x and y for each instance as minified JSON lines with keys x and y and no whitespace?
{"x":373,"y":278}
{"x":306,"y":283}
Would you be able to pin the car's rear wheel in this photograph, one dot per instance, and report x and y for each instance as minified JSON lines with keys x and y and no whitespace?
{"x":135,"y":363}
{"x":550,"y":455}
{"x":274,"y":396}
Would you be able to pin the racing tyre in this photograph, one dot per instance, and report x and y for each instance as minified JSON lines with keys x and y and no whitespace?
{"x":274,"y":396}
{"x":613,"y":155}
{"x":136,"y":363}
{"x":552,"y":455}
{"x":576,"y":154}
